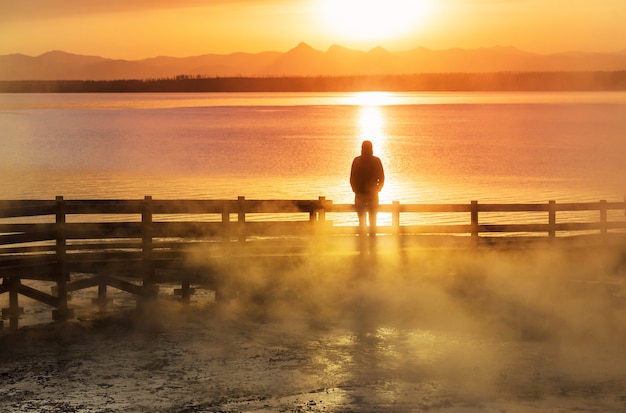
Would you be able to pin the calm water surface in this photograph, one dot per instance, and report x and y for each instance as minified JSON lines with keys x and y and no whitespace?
{"x":436,"y":147}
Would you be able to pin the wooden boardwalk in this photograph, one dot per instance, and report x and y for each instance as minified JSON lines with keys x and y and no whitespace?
{"x":133,"y":245}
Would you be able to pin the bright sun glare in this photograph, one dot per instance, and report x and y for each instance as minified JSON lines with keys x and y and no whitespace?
{"x":371,"y":124}
{"x":373,"y":19}
{"x":371,"y":120}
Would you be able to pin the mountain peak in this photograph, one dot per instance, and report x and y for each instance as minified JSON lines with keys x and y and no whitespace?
{"x":59,"y":57}
{"x":337,"y":51}
{"x":64,"y":54}
{"x":301,"y":47}
{"x":378,"y":50}
{"x":336,"y":48}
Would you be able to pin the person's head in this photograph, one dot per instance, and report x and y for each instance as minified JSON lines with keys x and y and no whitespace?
{"x":366,"y":148}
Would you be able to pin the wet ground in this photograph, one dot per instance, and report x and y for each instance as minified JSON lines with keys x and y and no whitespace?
{"x":525,"y":333}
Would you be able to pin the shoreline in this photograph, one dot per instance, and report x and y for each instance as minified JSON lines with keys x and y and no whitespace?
{"x":549,"y":81}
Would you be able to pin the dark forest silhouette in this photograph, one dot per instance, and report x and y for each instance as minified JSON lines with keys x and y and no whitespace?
{"x":501,"y":81}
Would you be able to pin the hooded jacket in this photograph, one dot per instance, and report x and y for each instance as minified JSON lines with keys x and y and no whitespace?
{"x":367,"y":175}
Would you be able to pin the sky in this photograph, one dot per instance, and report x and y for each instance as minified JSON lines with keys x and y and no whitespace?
{"x":136,"y":29}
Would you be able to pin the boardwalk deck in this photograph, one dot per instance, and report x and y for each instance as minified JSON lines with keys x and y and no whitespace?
{"x":133,"y":245}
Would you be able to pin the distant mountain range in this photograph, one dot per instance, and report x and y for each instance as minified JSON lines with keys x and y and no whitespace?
{"x":303,"y":60}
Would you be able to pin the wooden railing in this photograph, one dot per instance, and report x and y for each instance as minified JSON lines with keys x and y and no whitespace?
{"x":119,"y":241}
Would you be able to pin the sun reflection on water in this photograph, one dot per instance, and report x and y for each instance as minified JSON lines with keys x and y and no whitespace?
{"x":372,"y":120}
{"x":372,"y":125}
{"x":372,"y":99}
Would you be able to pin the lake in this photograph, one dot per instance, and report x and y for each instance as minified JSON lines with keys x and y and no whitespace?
{"x":436,"y":147}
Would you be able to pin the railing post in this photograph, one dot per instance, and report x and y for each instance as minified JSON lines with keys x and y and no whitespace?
{"x":474,"y":219}
{"x":326,"y":205}
{"x":241,"y":218}
{"x":225,"y":223}
{"x":552,"y":219}
{"x":13,"y":313}
{"x":603,"y":218}
{"x":102,"y":296}
{"x":395,"y":217}
{"x":185,"y":291}
{"x":321,"y":214}
{"x":317,"y":216}
{"x":146,"y":248}
{"x":62,"y":312}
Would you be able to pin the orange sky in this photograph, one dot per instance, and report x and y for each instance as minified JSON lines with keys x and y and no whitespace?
{"x":134,"y":29}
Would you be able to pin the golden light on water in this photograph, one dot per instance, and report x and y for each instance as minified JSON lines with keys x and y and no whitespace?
{"x":371,"y":118}
{"x":372,"y":125}
{"x":372,"y":98}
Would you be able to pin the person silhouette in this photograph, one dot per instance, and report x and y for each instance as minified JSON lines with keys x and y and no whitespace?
{"x":367,"y":178}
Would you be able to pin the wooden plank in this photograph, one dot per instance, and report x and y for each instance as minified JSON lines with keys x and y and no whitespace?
{"x":436,"y":229}
{"x":616,"y":206}
{"x":21,"y":227}
{"x":579,"y":206}
{"x":103,"y":256}
{"x":39,"y":295}
{"x":514,"y":228}
{"x":103,"y":206}
{"x":123,"y":285}
{"x":103,"y":230}
{"x":27,"y":262}
{"x":21,"y":259}
{"x":182,"y":243}
{"x":342,"y":208}
{"x":578,"y":226}
{"x":432,"y":208}
{"x":26,"y":208}
{"x":26,"y":249}
{"x":27,"y":237}
{"x":84,"y":283}
{"x":187,"y":229}
{"x":513,"y":207}
{"x":281,"y":206}
{"x":276,"y":228}
{"x":615,"y":225}
{"x":193,"y":206}
{"x":105,"y":244}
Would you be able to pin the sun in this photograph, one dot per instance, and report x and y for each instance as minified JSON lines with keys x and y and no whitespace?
{"x":367,"y":20}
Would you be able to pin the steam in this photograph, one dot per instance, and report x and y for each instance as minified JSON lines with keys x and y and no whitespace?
{"x":532,"y":294}
{"x":458,"y":315}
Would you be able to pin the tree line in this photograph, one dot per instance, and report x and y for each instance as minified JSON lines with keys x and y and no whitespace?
{"x":501,"y":81}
